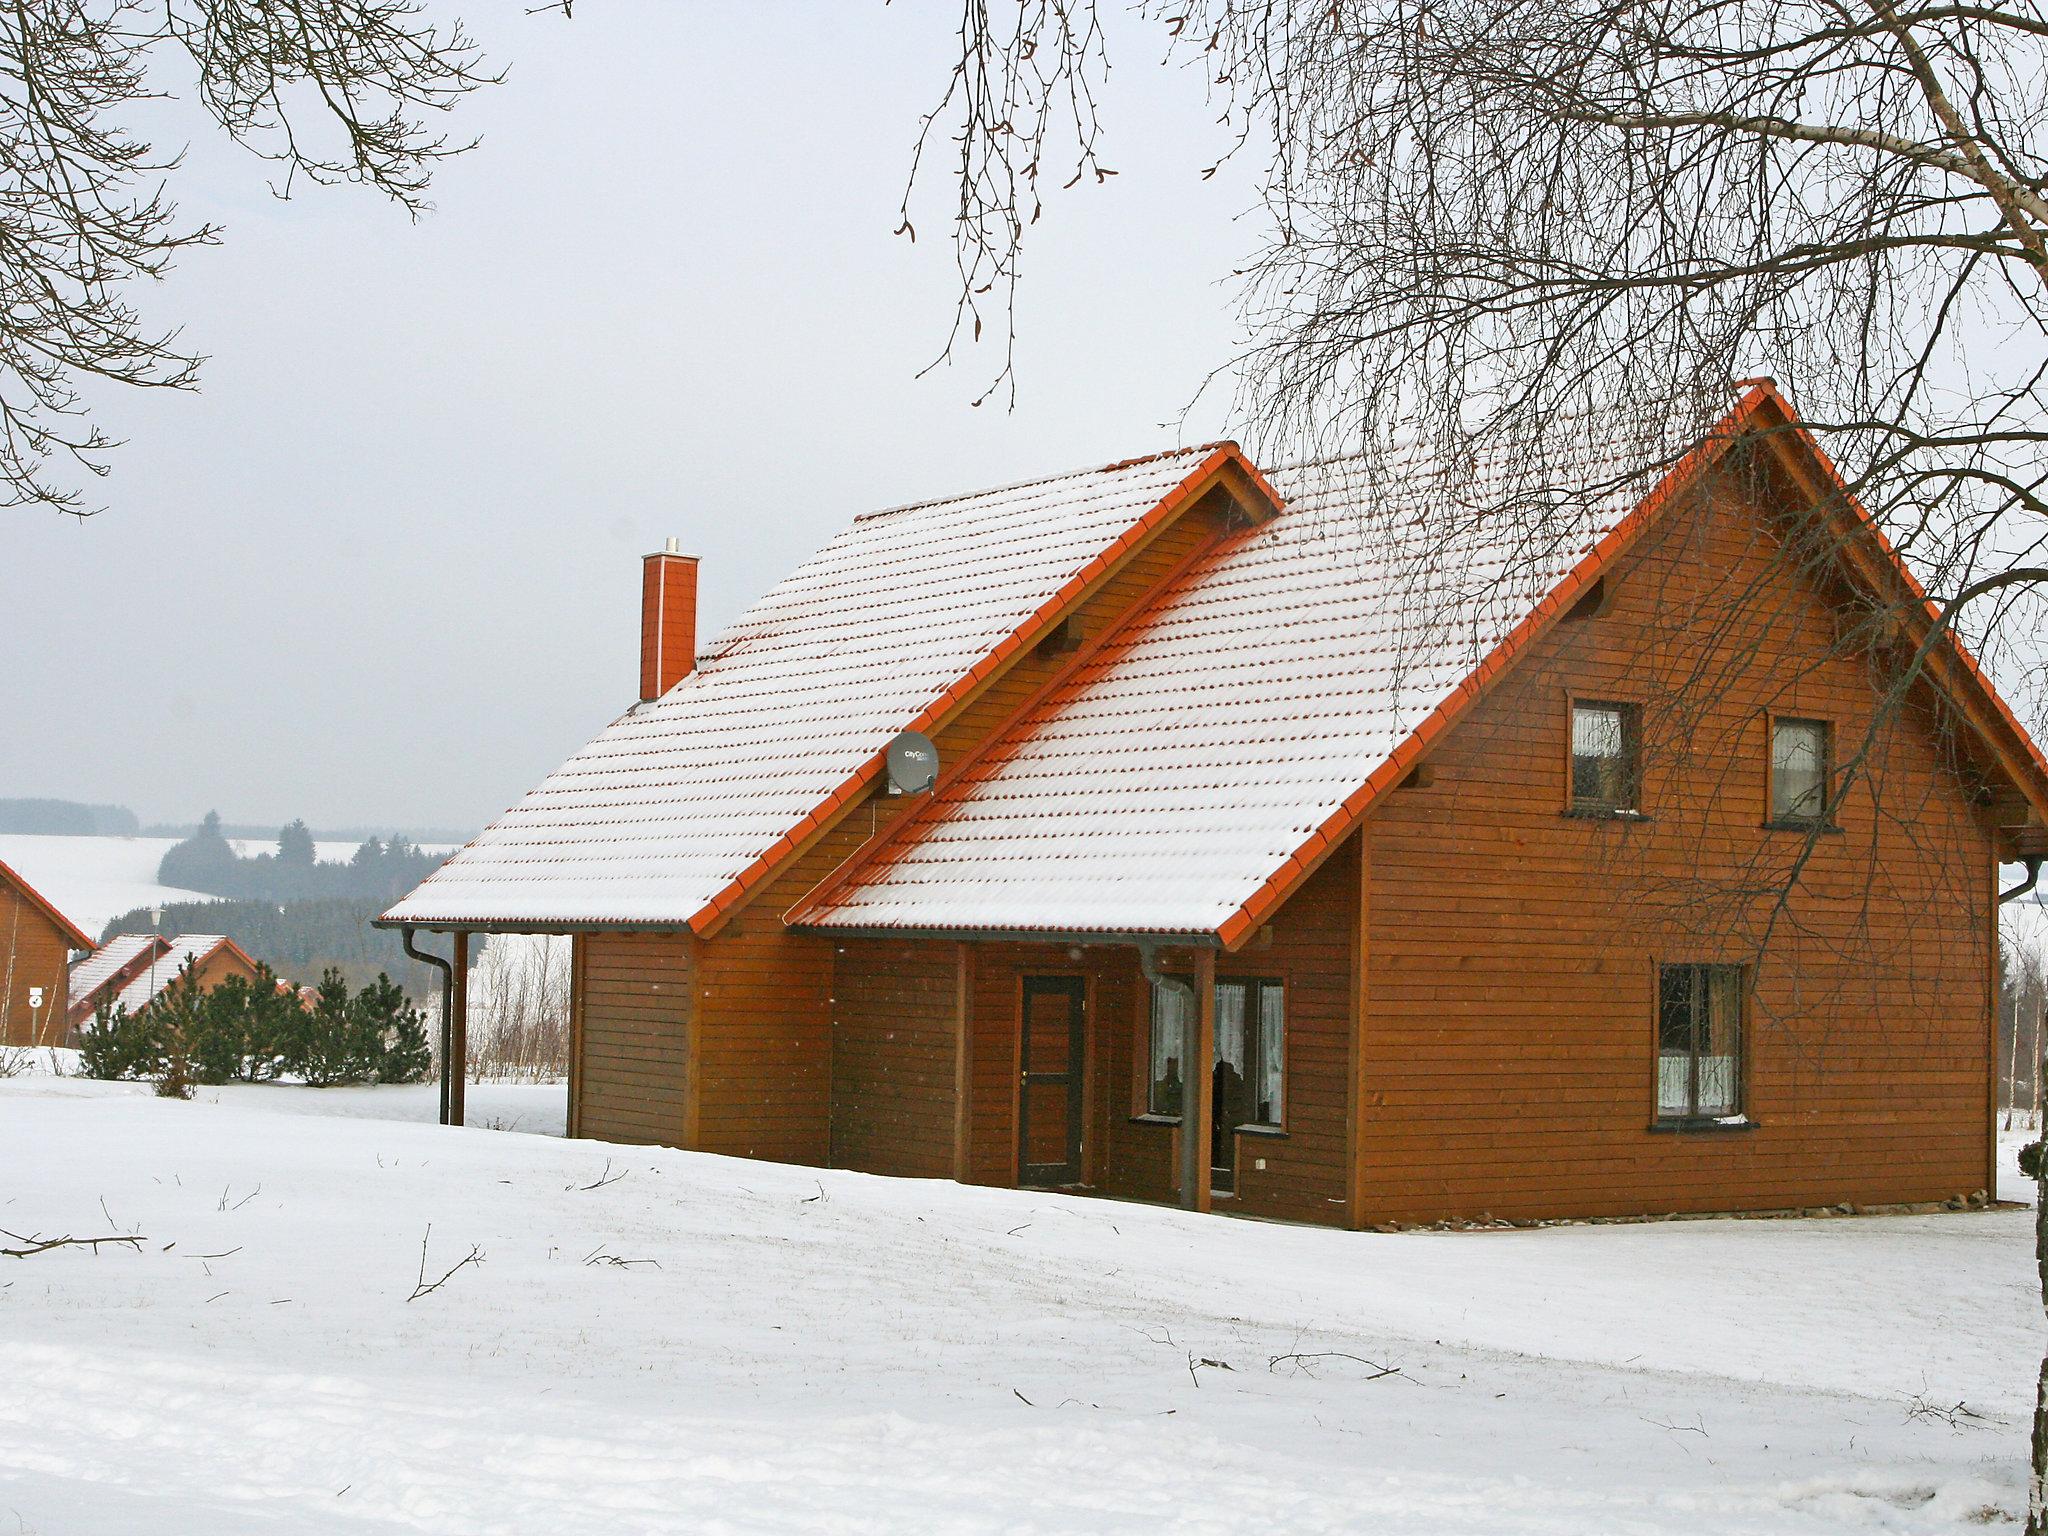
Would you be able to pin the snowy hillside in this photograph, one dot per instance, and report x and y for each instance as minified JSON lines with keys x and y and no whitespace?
{"x":93,"y":880}
{"x":656,"y":1341}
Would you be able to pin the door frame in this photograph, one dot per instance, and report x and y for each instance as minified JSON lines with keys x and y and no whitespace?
{"x":1075,"y":987}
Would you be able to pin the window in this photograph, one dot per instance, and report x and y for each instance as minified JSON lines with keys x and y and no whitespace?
{"x":1799,"y":772}
{"x":1699,"y":1042}
{"x":1249,"y":1072}
{"x":1604,"y":758}
{"x":1173,"y":1019}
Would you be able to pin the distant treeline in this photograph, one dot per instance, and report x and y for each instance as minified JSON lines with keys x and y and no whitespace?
{"x":67,"y":818}
{"x":206,"y":861}
{"x":300,"y":939}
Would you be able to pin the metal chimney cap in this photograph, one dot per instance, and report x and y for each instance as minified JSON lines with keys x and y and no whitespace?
{"x":673,"y":547}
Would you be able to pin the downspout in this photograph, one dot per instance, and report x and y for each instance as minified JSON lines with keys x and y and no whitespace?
{"x":2033,"y":878}
{"x":447,"y":1006}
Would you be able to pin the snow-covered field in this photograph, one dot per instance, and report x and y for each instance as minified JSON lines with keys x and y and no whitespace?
{"x":93,"y":880}
{"x":659,"y":1341}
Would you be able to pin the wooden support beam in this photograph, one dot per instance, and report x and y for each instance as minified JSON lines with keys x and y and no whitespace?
{"x":1198,"y":1107}
{"x":458,"y":1029}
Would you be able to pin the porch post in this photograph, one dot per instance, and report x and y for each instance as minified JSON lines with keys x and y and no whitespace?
{"x":457,"y":1064}
{"x":1198,"y":1108}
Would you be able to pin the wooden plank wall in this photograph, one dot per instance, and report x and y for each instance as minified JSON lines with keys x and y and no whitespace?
{"x":633,"y":1027}
{"x":1510,"y":1050}
{"x":893,"y":1047}
{"x":33,"y":953}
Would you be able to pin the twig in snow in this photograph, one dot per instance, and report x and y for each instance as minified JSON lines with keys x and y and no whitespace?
{"x":608,"y":1177}
{"x":1214,"y":1365}
{"x":1302,"y":1360}
{"x":1022,"y":1398}
{"x":597,"y":1255}
{"x":229,"y":1254}
{"x":814,"y":1199}
{"x":1959,"y":1415}
{"x":474,"y":1256}
{"x":37,"y":1243}
{"x":1015,"y":1230}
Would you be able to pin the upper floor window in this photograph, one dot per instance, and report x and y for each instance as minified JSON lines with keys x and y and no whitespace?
{"x":1606,"y":768}
{"x":1699,"y":1042}
{"x":1799,"y":771}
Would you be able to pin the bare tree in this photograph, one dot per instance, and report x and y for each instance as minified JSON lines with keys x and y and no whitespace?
{"x":1490,"y":220}
{"x":328,"y":90}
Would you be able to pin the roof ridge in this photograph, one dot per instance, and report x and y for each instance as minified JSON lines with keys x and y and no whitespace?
{"x":1052,"y":479}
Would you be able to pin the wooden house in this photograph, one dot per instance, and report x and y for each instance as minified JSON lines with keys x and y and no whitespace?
{"x":133,"y":970}
{"x":1641,"y":856}
{"x":36,"y":945}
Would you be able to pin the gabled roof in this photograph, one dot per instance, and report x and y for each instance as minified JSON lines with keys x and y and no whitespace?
{"x":108,"y":961}
{"x":163,"y":969}
{"x":683,"y":805}
{"x":74,"y":936}
{"x":1187,"y":776}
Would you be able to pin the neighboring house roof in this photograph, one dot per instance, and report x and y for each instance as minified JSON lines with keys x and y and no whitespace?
{"x":74,"y":936}
{"x":160,"y":972}
{"x":108,"y":961}
{"x":684,"y":803}
{"x":1185,"y":778}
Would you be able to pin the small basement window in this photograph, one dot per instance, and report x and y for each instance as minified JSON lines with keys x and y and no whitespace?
{"x":1800,"y":771}
{"x":1606,"y":759}
{"x":1699,"y":1043}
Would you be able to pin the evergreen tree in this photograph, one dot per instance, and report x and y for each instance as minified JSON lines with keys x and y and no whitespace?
{"x":394,"y":1031}
{"x":295,"y":846}
{"x":327,"y":1051}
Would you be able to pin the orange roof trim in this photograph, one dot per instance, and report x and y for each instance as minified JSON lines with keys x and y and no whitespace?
{"x":1760,"y":397}
{"x":1226,"y":461}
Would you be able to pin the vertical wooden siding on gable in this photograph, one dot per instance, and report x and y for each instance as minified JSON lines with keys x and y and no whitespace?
{"x":1510,"y":1038}
{"x":633,"y":1000}
{"x":33,"y":953}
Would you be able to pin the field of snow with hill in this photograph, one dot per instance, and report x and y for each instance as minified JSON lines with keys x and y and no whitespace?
{"x":657,"y":1341}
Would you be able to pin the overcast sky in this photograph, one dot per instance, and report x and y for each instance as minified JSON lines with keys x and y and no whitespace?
{"x":383,"y":568}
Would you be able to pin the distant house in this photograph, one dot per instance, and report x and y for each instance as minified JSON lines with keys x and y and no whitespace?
{"x":1304,"y":847}
{"x":36,"y":944}
{"x":132,"y":970}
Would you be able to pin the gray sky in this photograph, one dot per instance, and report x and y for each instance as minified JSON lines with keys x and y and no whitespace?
{"x":384,"y":567}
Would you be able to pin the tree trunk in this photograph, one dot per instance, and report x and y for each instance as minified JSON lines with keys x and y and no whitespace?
{"x":2037,"y":1480}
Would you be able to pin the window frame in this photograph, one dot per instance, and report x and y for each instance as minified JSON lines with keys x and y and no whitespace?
{"x":1631,"y":712}
{"x":1742,"y":1117}
{"x":1255,"y":989}
{"x":1822,"y":822}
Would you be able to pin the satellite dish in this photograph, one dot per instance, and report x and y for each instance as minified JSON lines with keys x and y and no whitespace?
{"x":913,"y":764}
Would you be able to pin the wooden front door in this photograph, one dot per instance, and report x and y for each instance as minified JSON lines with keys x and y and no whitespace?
{"x":1050,"y":1053}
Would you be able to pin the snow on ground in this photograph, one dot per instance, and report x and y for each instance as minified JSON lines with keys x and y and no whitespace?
{"x":660,"y":1341}
{"x":93,"y":880}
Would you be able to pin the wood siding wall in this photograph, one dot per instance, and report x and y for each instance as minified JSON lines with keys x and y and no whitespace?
{"x":633,"y":997}
{"x":893,"y":1050}
{"x":33,"y":953}
{"x":1510,"y":1054}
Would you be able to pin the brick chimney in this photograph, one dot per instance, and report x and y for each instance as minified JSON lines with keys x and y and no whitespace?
{"x":668,"y":620}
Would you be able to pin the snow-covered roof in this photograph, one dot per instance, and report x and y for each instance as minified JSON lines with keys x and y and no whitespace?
{"x":1180,"y":769}
{"x":675,"y":806}
{"x":99,"y":967}
{"x":150,"y":981}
